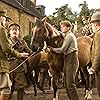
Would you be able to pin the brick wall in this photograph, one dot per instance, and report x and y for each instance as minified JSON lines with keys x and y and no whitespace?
{"x":19,"y":17}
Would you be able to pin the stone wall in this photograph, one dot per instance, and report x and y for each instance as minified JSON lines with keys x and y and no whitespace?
{"x":18,"y":16}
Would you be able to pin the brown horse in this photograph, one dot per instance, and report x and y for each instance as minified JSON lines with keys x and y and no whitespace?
{"x":55,"y":61}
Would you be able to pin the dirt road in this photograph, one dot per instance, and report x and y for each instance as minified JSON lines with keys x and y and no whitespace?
{"x":48,"y":95}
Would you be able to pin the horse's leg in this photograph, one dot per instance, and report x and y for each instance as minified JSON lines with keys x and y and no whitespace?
{"x":79,"y":78}
{"x":86,"y":76}
{"x":54,"y":82}
{"x":87,"y":87}
{"x":36,"y":80}
{"x":42,"y":77}
{"x":33,"y":82}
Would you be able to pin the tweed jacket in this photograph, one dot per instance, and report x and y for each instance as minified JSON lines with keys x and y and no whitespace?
{"x":5,"y":49}
{"x":69,"y":44}
{"x":20,"y":46}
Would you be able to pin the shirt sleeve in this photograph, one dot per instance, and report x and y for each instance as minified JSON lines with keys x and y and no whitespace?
{"x":64,"y":47}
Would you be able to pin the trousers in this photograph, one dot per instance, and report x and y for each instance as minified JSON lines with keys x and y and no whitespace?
{"x":71,"y":65}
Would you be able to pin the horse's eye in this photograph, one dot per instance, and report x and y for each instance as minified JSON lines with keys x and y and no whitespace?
{"x":55,"y":42}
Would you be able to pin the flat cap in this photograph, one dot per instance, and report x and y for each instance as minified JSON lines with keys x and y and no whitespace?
{"x":14,"y":25}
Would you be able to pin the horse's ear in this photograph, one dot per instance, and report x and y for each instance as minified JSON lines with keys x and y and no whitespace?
{"x":44,"y":19}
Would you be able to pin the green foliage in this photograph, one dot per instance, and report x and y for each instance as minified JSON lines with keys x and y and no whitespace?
{"x":84,"y":9}
{"x":27,"y":38}
{"x":65,"y":13}
{"x":62,"y":13}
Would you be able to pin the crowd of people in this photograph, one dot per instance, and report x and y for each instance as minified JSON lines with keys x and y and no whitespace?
{"x":13,"y":50}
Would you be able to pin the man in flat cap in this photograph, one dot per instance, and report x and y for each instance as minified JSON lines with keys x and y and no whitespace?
{"x":5,"y":50}
{"x":95,"y":21}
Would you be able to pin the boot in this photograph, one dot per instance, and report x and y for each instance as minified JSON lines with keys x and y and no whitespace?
{"x":20,"y":93}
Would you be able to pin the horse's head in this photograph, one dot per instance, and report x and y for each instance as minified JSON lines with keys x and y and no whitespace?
{"x":44,"y":31}
{"x":38,"y":34}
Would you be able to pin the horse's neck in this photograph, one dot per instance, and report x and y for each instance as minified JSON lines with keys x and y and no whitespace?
{"x":55,"y":41}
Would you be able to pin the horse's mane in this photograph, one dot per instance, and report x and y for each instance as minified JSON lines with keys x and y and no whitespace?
{"x":54,"y":32}
{"x":46,"y":32}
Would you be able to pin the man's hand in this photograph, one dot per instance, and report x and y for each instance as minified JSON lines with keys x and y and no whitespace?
{"x":91,"y":70}
{"x":50,"y":49}
{"x":24,"y":54}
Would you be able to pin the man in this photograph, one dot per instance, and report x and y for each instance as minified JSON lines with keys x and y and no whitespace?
{"x":87,"y":30}
{"x":18,"y":77}
{"x":95,"y":21}
{"x":8,"y":21}
{"x":5,"y":50}
{"x":69,"y":48}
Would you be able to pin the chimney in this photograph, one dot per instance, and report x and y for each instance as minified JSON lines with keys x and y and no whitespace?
{"x":34,"y":2}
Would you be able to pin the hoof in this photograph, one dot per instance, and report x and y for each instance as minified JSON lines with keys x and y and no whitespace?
{"x":43,"y":91}
{"x":55,"y":99}
{"x":35,"y":94}
{"x":88,"y":95}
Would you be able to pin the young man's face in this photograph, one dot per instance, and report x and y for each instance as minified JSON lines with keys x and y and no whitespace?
{"x":14,"y":32}
{"x":64,"y":28}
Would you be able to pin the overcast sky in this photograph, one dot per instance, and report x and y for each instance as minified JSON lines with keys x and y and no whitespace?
{"x":52,"y":4}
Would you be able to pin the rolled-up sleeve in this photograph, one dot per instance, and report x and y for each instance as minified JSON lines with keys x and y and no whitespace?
{"x":64,"y":47}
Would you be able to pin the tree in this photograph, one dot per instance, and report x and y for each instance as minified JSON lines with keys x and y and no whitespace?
{"x":65,"y":13}
{"x":62,"y":13}
{"x":84,"y":9}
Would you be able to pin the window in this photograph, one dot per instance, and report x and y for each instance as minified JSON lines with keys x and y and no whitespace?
{"x":31,"y":25}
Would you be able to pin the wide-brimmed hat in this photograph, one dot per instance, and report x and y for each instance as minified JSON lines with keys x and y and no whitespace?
{"x":95,"y":17}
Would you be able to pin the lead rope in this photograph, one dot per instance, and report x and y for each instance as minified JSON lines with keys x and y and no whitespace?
{"x":24,"y":61}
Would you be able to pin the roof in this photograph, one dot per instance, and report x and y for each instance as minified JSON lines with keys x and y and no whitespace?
{"x":30,"y":9}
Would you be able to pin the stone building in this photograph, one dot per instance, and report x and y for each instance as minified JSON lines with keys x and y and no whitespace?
{"x":22,"y":12}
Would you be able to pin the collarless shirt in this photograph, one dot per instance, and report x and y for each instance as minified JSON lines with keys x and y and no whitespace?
{"x":69,"y":44}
